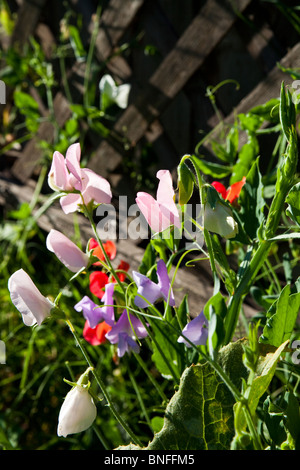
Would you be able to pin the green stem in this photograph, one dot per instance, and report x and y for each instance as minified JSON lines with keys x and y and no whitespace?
{"x":107,"y":260}
{"x":151,"y":378}
{"x":103,"y":387}
{"x":242,"y":288}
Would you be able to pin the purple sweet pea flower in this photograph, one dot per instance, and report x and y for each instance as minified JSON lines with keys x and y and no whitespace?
{"x":124,"y":333}
{"x":196,"y":331}
{"x":94,"y":313}
{"x":152,"y":291}
{"x":91,"y":311}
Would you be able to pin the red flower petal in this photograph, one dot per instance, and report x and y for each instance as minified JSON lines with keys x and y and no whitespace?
{"x":234,"y":190}
{"x":96,"y":336}
{"x":98,"y":281}
{"x":101,"y":331}
{"x":109,"y":247}
{"x":124,"y":267}
{"x":220,"y":188}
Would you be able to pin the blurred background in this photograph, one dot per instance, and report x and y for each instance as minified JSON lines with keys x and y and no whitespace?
{"x":192,"y":67}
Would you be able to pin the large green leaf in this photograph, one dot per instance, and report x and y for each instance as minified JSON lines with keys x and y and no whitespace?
{"x":199,"y":416}
{"x":264,"y":374}
{"x":282,"y":317}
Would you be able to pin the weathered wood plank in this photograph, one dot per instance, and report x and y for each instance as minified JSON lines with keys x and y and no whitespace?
{"x":114,"y":22}
{"x":27,"y":20}
{"x":24,"y":166}
{"x":267,"y":89}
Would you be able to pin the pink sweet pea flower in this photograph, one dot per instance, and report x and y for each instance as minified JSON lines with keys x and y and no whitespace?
{"x":26,"y":297}
{"x":196,"y":331}
{"x":124,"y":333}
{"x":66,"y":251}
{"x":151,"y":291}
{"x":161,"y":212}
{"x":84,"y":186}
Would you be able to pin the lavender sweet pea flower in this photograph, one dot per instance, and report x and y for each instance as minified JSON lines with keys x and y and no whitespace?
{"x":124,"y":333}
{"x":107,"y":310}
{"x":66,"y":251}
{"x":94,"y":313}
{"x":152,"y":291}
{"x":26,"y":297}
{"x":196,"y":331}
{"x":91,"y":311}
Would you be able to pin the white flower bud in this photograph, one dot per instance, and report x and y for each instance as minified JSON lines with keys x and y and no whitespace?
{"x":220,"y":220}
{"x":77,"y":413}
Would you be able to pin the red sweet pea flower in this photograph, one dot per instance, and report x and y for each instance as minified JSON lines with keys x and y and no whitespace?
{"x":124,"y":267}
{"x":98,"y":281}
{"x":109,"y":247}
{"x":232,"y":193}
{"x":96,"y":336}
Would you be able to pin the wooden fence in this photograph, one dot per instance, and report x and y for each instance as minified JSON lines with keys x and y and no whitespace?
{"x":195,"y":44}
{"x":168,"y":106}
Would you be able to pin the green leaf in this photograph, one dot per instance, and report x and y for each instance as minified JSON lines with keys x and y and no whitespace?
{"x":247,"y":155}
{"x":199,"y":415}
{"x":185,"y":183}
{"x":168,"y":355}
{"x":269,"y":111}
{"x":76,"y":43}
{"x":260,"y":384}
{"x":212,"y":169}
{"x":24,"y":101}
{"x":215,"y":311}
{"x":281,"y":322}
{"x":252,"y":201}
{"x":293,"y":199}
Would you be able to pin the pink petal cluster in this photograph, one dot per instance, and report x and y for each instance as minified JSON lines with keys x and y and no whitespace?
{"x":82,"y":184}
{"x":161,"y":212}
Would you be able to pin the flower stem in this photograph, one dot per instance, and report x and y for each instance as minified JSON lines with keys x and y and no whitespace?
{"x":103,"y":387}
{"x":107,"y":260}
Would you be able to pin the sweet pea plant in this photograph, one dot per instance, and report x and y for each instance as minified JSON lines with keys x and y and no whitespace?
{"x":222,"y":384}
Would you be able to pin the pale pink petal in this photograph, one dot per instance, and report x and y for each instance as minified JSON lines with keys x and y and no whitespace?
{"x":66,"y":251}
{"x":58,"y":177}
{"x":151,"y":211}
{"x":26,"y":297}
{"x":70,"y":203}
{"x":73,"y":161}
{"x":95,"y":188}
{"x":165,"y":197}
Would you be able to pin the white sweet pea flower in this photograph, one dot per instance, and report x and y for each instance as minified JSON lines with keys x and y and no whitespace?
{"x":111,"y":93}
{"x":220,"y":220}
{"x":26,"y":297}
{"x":78,"y":410}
